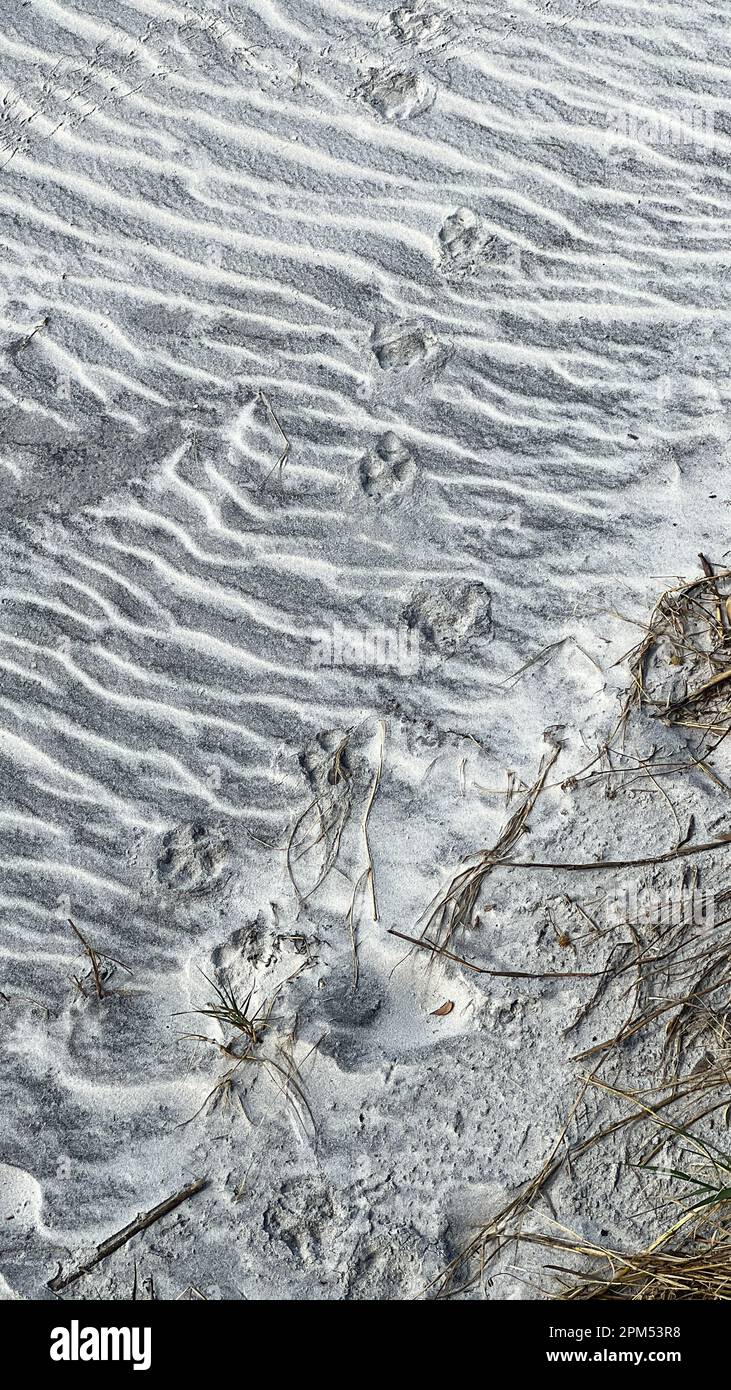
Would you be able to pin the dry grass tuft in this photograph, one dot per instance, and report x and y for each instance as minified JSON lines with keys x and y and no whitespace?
{"x":707,"y":1190}
{"x":98,"y":973}
{"x":682,"y":667}
{"x":689,"y":1260}
{"x":248,"y":1029}
{"x":698,"y":1269}
{"x":321,"y":828}
{"x":453,"y":910}
{"x":322,"y":824}
{"x":674,"y":972}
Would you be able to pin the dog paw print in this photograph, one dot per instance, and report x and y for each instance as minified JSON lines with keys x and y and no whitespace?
{"x":389,"y":471}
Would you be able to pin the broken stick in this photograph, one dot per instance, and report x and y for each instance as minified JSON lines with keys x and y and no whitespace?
{"x":140,"y":1223}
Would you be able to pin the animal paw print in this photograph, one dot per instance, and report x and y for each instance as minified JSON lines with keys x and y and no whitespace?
{"x":402,"y":346}
{"x":397,"y":96}
{"x":462,"y":241}
{"x":191,"y":860}
{"x":448,"y":616}
{"x":420,"y":24}
{"x":465,"y":245}
{"x":388,"y":472}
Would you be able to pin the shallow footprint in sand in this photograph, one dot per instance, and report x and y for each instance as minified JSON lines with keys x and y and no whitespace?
{"x":192,"y":859}
{"x":388,"y":472}
{"x":396,"y":96}
{"x":419,"y":23}
{"x":462,"y":240}
{"x":447,"y":616}
{"x":400,"y":346}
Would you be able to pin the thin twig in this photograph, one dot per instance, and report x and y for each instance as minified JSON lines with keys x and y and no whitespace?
{"x":140,"y":1223}
{"x":426,"y":945}
{"x":285,"y":451}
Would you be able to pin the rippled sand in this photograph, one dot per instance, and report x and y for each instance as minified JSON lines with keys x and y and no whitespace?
{"x":350,"y":360}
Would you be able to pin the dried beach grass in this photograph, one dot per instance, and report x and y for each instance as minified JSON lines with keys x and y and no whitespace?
{"x":247,"y":1030}
{"x":322,"y":825}
{"x":668,"y":1113}
{"x":689,"y":636}
{"x":689,"y":1260}
{"x":678,"y":978}
{"x":698,"y":1268}
{"x":323,"y":821}
{"x":453,"y":910}
{"x":98,"y":974}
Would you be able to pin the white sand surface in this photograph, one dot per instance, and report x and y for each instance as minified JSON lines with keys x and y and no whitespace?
{"x":326,"y":325}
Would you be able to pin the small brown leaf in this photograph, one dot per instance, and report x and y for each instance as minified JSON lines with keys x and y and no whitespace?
{"x":444,"y":1010}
